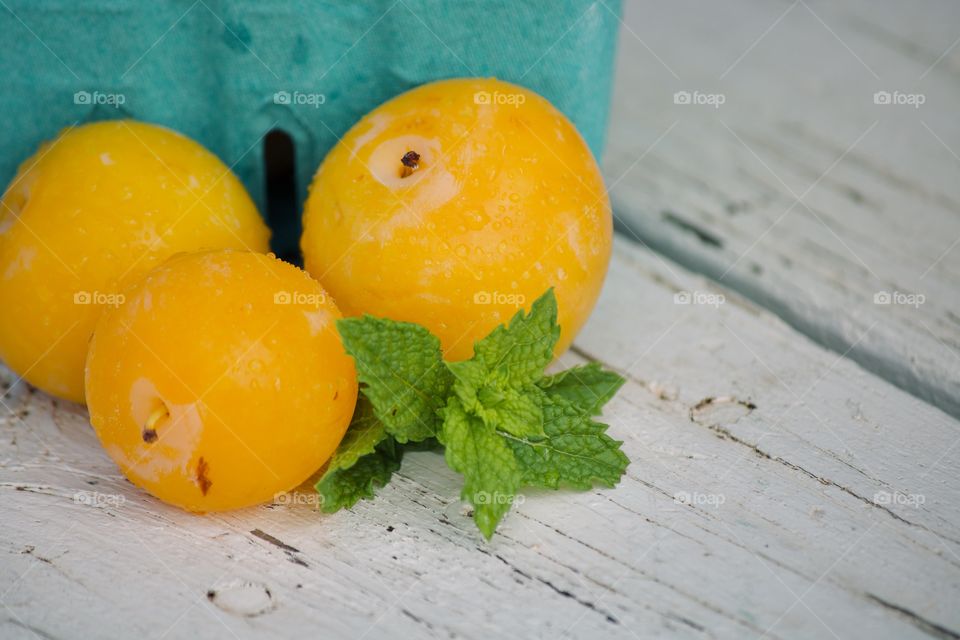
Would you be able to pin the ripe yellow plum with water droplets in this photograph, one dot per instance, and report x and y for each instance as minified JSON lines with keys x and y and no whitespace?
{"x":91,"y":212}
{"x":221,"y":380}
{"x":455,"y":204}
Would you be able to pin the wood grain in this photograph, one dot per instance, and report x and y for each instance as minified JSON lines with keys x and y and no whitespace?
{"x":752,"y":514}
{"x":798,"y":190}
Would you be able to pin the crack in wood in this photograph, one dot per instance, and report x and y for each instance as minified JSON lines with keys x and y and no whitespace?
{"x":274,"y":541}
{"x":921,"y":623}
{"x":292,"y":553}
{"x":417,"y":619}
{"x":609,"y":617}
{"x":36,"y":631}
{"x":701,"y":234}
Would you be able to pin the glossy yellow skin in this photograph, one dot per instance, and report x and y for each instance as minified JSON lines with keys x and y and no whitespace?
{"x":506,"y":201}
{"x":221,"y":381}
{"x":89,"y":213}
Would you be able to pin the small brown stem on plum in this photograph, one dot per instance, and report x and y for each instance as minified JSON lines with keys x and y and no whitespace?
{"x":150,"y":428}
{"x":410,"y":162}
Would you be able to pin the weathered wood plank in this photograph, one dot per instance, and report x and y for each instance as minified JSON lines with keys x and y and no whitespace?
{"x":781,"y":508}
{"x":798,"y":190}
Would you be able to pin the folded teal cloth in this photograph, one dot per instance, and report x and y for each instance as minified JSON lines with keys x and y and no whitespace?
{"x":227,"y":72}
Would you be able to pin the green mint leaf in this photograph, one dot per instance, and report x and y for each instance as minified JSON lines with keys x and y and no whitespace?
{"x":516,"y":409}
{"x":498,"y":383}
{"x":341,"y":488}
{"x":366,"y":458}
{"x":519,"y":411}
{"x":490,"y":471}
{"x":588,"y":386}
{"x":402,"y":371}
{"x":520,"y":351}
{"x":576,"y":452}
{"x":363,"y":435}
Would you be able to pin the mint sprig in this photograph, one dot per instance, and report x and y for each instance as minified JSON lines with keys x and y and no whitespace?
{"x":502,"y":422}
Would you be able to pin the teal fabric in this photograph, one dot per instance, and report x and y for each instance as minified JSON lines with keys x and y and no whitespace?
{"x":211,"y":68}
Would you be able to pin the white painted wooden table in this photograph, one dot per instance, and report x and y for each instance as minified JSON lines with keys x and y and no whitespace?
{"x":795,"y":463}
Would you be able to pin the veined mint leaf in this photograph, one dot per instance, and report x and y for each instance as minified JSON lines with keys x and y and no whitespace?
{"x":342,"y":488}
{"x":490,"y":471}
{"x":498,"y":383}
{"x":520,"y":351}
{"x":516,"y":409}
{"x":362,"y":437}
{"x":588,"y":386}
{"x":402,"y":370}
{"x":366,"y":458}
{"x":576,"y":452}
{"x":519,"y":411}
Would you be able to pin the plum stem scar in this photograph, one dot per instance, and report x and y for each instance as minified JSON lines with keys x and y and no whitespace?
{"x":410,"y":162}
